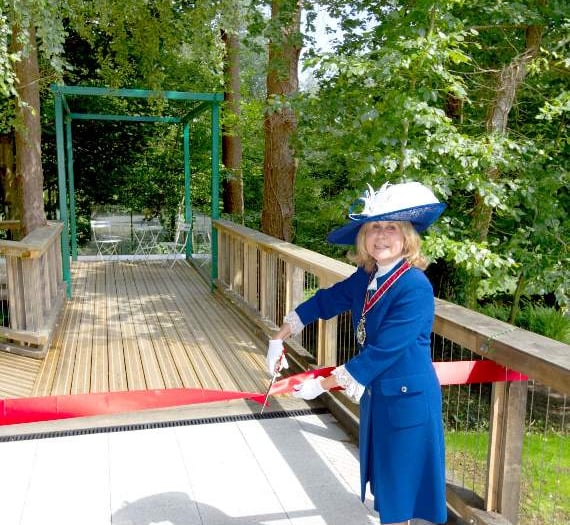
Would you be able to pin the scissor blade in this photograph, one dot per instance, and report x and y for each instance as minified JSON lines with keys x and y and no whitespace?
{"x":267,"y":392}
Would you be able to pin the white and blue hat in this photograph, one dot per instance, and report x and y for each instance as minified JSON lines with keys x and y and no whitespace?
{"x":408,"y":201}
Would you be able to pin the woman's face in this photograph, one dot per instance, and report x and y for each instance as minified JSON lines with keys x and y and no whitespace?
{"x":384,"y":241}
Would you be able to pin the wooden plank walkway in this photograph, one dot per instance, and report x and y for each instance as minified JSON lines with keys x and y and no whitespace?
{"x":133,"y":326}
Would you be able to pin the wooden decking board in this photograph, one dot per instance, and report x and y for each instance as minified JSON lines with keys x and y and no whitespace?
{"x":192,"y":306}
{"x":65,"y":364}
{"x":196,"y":343}
{"x":17,"y":375}
{"x":46,"y":375}
{"x":133,"y":365}
{"x":241,"y":341}
{"x":148,"y":355}
{"x":116,"y":360}
{"x":13,"y":361}
{"x":224,"y":335}
{"x":140,"y":326}
{"x":152,"y":310}
{"x":99,"y":374}
{"x":81,"y":377}
{"x":170,"y":319}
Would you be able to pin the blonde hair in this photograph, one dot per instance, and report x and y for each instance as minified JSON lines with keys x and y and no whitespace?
{"x":411,"y":250}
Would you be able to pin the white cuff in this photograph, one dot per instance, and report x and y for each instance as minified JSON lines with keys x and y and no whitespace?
{"x":352,"y":388}
{"x":294,"y":321}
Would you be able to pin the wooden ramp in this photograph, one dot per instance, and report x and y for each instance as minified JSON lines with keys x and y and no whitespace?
{"x":133,"y":326}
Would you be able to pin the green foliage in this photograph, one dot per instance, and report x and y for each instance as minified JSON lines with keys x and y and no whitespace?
{"x":160,"y":45}
{"x":544,"y":483}
{"x":543,"y":320}
{"x":6,"y":58}
{"x":406,"y":96}
{"x":163,"y":44}
{"x":45,"y":18}
{"x":546,"y":321}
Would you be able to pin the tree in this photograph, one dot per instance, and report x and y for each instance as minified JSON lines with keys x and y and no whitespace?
{"x":25,"y":28}
{"x":510,"y":80}
{"x":231,"y":137}
{"x":29,"y":173}
{"x":280,"y":165}
{"x":434,"y":92}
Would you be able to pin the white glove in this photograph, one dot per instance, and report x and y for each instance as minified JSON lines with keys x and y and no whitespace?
{"x":309,"y":389}
{"x":276,"y":360}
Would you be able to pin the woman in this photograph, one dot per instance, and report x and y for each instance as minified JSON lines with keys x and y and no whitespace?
{"x":392,"y":376}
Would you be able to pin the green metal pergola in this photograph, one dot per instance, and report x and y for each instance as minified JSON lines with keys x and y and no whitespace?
{"x":63,"y":118}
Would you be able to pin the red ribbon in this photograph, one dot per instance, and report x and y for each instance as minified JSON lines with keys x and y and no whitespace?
{"x":448,"y":373}
{"x":33,"y":409}
{"x":466,"y":372}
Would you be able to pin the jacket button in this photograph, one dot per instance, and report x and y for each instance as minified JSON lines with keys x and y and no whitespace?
{"x":404,"y":389}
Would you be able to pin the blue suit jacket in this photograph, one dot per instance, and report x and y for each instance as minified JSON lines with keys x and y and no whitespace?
{"x":401,"y":431}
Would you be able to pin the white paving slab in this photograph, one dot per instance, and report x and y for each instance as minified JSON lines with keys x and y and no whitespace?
{"x":16,"y":466}
{"x":69,"y":482}
{"x":281,"y":471}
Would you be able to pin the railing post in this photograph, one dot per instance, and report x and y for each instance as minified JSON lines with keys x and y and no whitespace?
{"x":506,"y":436}
{"x":50,"y":284}
{"x":239,"y":268}
{"x":541,"y":358}
{"x":231,"y":262}
{"x":16,"y":301}
{"x":294,"y":286}
{"x":327,"y":332}
{"x":250,"y":286}
{"x":269,"y":287}
{"x":33,"y":292}
{"x":223,"y":260}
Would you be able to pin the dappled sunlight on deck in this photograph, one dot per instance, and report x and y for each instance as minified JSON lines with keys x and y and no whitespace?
{"x":133,"y":326}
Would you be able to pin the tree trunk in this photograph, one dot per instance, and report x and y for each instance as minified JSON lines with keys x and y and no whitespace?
{"x":29,"y":174}
{"x":515,"y":307}
{"x":231,"y":137}
{"x":280,"y":165}
{"x":11,"y":200}
{"x":511,"y":78}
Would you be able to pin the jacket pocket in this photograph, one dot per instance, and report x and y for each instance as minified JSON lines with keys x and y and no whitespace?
{"x":405,"y":400}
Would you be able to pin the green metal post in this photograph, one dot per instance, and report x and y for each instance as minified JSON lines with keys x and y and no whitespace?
{"x":187,"y":186}
{"x":215,"y":185}
{"x":62,"y":190}
{"x":71,"y":184}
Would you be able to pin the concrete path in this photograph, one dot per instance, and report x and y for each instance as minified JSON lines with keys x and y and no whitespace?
{"x":300,"y":470}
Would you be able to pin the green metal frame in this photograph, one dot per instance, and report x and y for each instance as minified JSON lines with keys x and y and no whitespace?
{"x":64,"y":144}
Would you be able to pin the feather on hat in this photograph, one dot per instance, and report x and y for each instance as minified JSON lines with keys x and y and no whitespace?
{"x":408,"y":201}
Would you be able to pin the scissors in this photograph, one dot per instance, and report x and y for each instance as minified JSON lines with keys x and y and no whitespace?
{"x":275,"y":375}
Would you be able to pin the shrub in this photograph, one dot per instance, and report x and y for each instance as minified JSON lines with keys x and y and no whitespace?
{"x":539,"y":319}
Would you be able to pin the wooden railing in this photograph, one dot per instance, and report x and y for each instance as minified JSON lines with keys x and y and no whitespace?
{"x":33,"y":289}
{"x":266,"y":277}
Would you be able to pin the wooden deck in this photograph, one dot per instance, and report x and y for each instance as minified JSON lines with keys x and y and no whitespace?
{"x":133,"y":326}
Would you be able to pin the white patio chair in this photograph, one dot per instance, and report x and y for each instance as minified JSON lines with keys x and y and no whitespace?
{"x":146,"y":238}
{"x":176,"y":249}
{"x":107,"y":244}
{"x":201,"y":239}
{"x":201,"y":234}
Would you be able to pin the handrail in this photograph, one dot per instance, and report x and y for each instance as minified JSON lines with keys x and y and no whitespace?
{"x":536,"y":356}
{"x":266,"y":277}
{"x":34,"y":290}
{"x":544,"y":359}
{"x":10,"y":225}
{"x":33,"y":245}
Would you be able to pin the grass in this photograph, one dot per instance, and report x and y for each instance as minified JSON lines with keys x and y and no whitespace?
{"x":545,"y":491}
